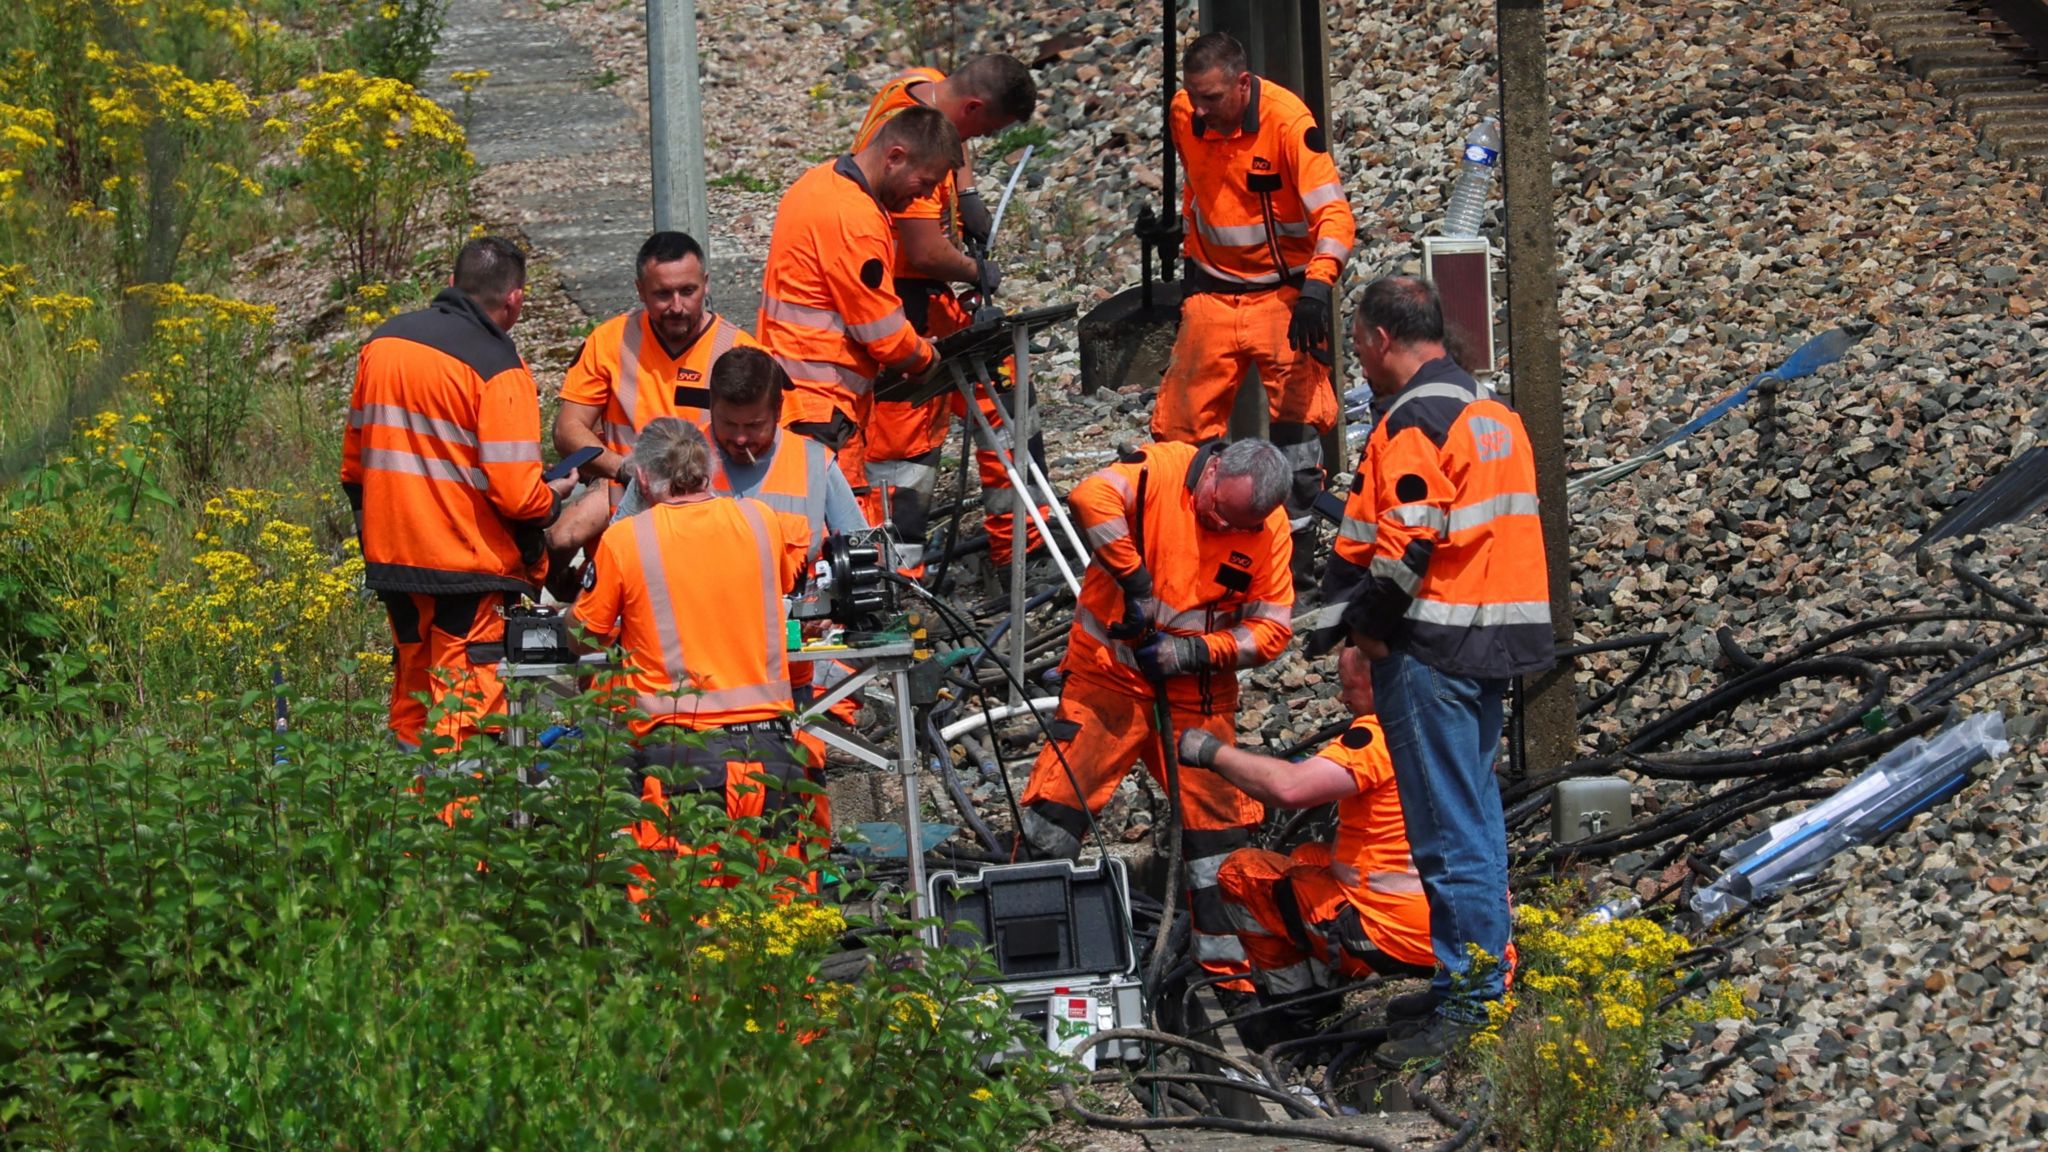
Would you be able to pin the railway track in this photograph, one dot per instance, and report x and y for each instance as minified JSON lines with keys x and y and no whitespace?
{"x":1989,"y":56}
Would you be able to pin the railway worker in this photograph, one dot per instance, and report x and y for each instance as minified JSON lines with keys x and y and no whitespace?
{"x":691,"y":588}
{"x":648,"y":362}
{"x":756,"y":457}
{"x":1439,"y":566}
{"x":829,"y":310}
{"x":441,"y":462}
{"x":942,"y":240}
{"x":1188,"y":585}
{"x":1346,"y":909}
{"x":1267,"y":230}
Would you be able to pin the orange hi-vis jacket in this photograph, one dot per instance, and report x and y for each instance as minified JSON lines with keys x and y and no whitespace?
{"x":441,"y":458}
{"x":799,"y":471}
{"x":1263,"y":204}
{"x":942,"y":203}
{"x":1233,"y":589}
{"x":693,"y":591}
{"x":1370,"y":856}
{"x":623,"y":369}
{"x":1440,"y":552}
{"x":829,"y":311}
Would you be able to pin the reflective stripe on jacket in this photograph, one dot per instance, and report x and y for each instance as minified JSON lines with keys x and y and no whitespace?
{"x":1233,"y":589}
{"x":693,"y":592}
{"x":829,"y":311}
{"x":1441,"y":540}
{"x":1263,"y":203}
{"x":625,"y":349}
{"x":441,"y":456}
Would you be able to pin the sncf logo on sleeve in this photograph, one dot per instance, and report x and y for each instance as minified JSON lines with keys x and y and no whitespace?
{"x":1495,"y":440}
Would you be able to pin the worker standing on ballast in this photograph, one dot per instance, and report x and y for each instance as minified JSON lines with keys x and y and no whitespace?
{"x":649,"y":362}
{"x":1439,"y":569}
{"x":941,"y":240}
{"x":1188,"y":585}
{"x":441,"y":462}
{"x":1267,"y":231}
{"x":829,"y":310}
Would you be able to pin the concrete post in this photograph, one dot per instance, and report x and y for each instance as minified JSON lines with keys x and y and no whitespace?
{"x":675,"y":120}
{"x":1550,"y":712}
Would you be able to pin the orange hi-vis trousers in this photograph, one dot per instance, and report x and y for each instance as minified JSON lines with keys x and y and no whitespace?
{"x":1099,"y":733}
{"x":446,"y":651}
{"x":1300,"y":927}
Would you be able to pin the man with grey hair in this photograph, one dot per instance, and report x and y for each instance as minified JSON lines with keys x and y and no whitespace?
{"x":691,"y":589}
{"x":1189,"y":584}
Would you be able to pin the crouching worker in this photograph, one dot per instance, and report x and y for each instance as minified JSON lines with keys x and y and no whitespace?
{"x":691,"y":589}
{"x":1345,"y":909}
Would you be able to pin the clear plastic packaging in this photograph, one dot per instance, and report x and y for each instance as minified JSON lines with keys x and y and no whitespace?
{"x":1904,"y":782}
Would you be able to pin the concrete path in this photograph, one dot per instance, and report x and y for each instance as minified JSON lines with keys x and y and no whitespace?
{"x":562,"y":157}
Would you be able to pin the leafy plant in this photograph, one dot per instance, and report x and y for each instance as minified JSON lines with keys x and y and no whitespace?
{"x":744,"y":181}
{"x":1574,"y":1049}
{"x":375,"y":155}
{"x":200,"y":373}
{"x":224,"y":936}
{"x":396,"y":38}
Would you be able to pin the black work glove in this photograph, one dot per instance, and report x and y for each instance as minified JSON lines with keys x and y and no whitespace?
{"x":975,"y":220}
{"x":1138,"y":604}
{"x":1167,"y":655}
{"x":987,"y":277}
{"x":1198,"y":747}
{"x":1309,"y":329}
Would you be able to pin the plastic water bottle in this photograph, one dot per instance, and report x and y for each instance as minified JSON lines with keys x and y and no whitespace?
{"x":1475,"y":180}
{"x":1614,"y":910}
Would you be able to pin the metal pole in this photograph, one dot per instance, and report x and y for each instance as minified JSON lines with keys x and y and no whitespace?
{"x":1550,"y":714}
{"x":906,"y":753}
{"x":675,"y":120}
{"x":1020,"y":506}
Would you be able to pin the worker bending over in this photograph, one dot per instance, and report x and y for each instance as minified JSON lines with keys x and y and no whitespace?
{"x":829,"y":310}
{"x":942,"y":240}
{"x":692,"y":589}
{"x":1345,"y":909}
{"x":649,"y":362}
{"x":1439,"y":565}
{"x":1267,"y":230}
{"x":1188,"y":585}
{"x":441,"y":462}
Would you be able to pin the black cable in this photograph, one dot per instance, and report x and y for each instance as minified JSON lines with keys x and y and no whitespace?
{"x":961,"y":800}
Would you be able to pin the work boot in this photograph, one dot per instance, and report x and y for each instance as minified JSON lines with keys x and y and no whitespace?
{"x":1428,"y":1045}
{"x":1413,"y":1007}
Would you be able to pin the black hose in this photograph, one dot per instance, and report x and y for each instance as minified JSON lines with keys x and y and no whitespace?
{"x":961,"y":800}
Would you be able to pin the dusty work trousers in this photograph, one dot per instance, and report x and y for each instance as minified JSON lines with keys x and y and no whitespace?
{"x":1299,"y":927}
{"x":445,"y":658}
{"x":748,"y":770}
{"x":1101,"y":729}
{"x":1222,"y":337}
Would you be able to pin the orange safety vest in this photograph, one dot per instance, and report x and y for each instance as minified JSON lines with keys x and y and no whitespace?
{"x":943,"y":202}
{"x":1233,"y":589}
{"x":1370,"y":857}
{"x":441,"y":458}
{"x":1263,"y":204}
{"x":1441,"y":537}
{"x":694,"y":593}
{"x":799,"y":469}
{"x":829,"y":311}
{"x":624,"y":348}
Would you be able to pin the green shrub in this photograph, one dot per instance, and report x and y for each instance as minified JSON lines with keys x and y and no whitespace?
{"x":376,"y":156}
{"x":231,"y":938}
{"x":396,"y":38}
{"x":1575,"y":1048}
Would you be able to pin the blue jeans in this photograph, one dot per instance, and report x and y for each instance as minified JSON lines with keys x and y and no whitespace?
{"x":1442,"y":732}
